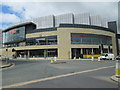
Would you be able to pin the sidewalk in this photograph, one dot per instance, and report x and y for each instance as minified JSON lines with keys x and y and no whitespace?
{"x":50,"y":59}
{"x":114,"y":78}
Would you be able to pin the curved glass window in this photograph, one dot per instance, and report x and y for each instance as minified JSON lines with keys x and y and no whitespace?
{"x":14,"y":35}
{"x":81,"y":38}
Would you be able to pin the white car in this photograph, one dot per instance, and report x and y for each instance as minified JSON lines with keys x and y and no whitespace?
{"x":118,"y":57}
{"x":107,"y":56}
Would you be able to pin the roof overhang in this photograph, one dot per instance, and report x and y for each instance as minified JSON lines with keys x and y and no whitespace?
{"x":18,"y":25}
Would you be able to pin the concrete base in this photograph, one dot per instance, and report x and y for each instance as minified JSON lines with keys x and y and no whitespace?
{"x":114,"y":78}
{"x":7,"y":65}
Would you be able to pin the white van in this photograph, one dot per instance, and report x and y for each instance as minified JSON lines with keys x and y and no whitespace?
{"x":107,"y":56}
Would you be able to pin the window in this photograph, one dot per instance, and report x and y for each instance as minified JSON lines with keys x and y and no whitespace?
{"x":81,"y":38}
{"x":50,"y":40}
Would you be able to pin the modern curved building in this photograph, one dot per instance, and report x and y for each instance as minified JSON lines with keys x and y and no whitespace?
{"x":66,"y":36}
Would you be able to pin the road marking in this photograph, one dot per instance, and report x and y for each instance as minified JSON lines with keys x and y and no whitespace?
{"x":54,"y":77}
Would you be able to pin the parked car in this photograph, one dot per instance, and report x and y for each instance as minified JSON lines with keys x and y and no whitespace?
{"x":118,"y":57}
{"x":107,"y":56}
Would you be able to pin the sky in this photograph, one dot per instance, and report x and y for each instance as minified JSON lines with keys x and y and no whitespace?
{"x":14,"y":12}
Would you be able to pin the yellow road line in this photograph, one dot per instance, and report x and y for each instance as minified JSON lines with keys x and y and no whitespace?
{"x":54,"y":77}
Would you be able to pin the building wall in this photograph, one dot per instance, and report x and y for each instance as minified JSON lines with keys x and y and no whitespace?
{"x":64,"y":18}
{"x":64,"y":41}
{"x":98,"y":21}
{"x":44,"y":22}
{"x":95,"y":20}
{"x":83,"y":18}
{"x":65,"y":45}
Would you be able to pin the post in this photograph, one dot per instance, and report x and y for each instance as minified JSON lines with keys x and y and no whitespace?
{"x":28,"y":55}
{"x":47,"y":47}
{"x":45,"y":53}
{"x":108,"y":48}
{"x":75,"y":53}
{"x":117,"y":68}
{"x":92,"y":55}
{"x":101,"y":48}
{"x":87,"y":53}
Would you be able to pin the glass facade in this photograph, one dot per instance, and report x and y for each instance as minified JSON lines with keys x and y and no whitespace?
{"x":50,"y":40}
{"x":81,"y":38}
{"x":87,"y":52}
{"x":14,"y":35}
{"x":41,"y":30}
{"x":37,"y":53}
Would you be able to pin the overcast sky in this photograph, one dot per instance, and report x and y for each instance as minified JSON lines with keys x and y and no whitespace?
{"x":13,"y":12}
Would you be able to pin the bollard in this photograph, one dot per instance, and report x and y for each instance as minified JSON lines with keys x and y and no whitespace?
{"x":55,"y":59}
{"x":92,"y":58}
{"x":74,"y":58}
{"x":51,"y":61}
{"x":98,"y":58}
{"x":118,"y":68}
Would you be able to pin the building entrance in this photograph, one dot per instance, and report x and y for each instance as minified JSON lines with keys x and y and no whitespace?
{"x":76,"y":53}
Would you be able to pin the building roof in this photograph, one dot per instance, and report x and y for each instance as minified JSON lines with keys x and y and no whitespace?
{"x":17,"y":25}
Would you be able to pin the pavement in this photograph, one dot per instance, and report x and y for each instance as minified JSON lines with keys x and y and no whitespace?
{"x":114,"y":78}
{"x":93,"y":79}
{"x":27,"y":71}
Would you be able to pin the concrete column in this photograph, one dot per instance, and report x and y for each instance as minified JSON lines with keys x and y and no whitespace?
{"x":28,"y":53}
{"x":114,"y":47}
{"x":108,"y":50}
{"x":92,"y":51}
{"x":81,"y":50}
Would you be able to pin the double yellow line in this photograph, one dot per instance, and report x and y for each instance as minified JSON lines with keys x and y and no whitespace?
{"x":54,"y":77}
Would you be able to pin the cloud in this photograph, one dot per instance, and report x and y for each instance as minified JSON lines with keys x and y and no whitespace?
{"x":30,"y":10}
{"x":36,"y":9}
{"x":9,"y":18}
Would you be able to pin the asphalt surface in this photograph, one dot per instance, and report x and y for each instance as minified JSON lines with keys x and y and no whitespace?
{"x":37,"y":69}
{"x":95,"y":79}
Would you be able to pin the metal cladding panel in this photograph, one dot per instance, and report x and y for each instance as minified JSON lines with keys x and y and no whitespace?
{"x":82,"y":18}
{"x":113,"y":26}
{"x":104,"y":22}
{"x":44,"y":22}
{"x":64,"y":18}
{"x":95,"y":20}
{"x":118,"y":31}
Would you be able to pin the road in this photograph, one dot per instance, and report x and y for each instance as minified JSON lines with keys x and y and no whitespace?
{"x":25,"y":72}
